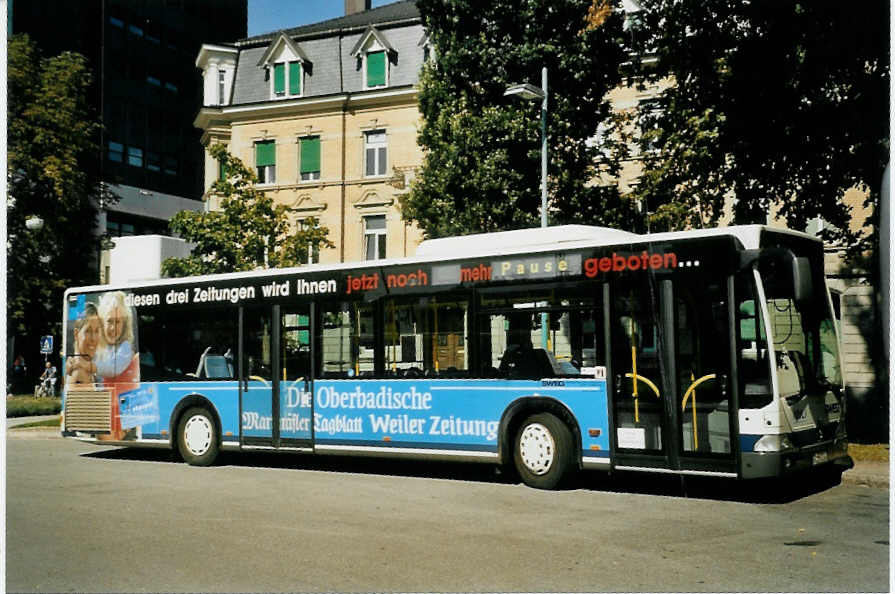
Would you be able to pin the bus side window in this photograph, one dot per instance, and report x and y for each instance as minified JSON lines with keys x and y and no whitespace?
{"x":178,"y":345}
{"x":425,"y":337}
{"x":346,"y":338}
{"x":520,"y":358}
{"x":754,"y":378}
{"x":529,"y":336}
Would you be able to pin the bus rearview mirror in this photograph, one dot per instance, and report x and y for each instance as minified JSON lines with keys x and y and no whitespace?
{"x":783,"y":273}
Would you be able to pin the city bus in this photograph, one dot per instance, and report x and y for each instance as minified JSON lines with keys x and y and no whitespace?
{"x":548,"y":351}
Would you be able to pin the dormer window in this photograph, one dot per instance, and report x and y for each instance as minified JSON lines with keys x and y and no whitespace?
{"x":426,"y":45}
{"x":374,"y":53}
{"x":286,"y":66}
{"x":218,"y":65}
{"x":287,"y":79}
{"x":376,"y":70}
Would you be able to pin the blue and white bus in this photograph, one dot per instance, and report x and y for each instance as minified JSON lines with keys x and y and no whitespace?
{"x":709,"y":352}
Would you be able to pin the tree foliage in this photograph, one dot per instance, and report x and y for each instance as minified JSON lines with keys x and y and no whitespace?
{"x":481,"y":168}
{"x":53,"y":174}
{"x":247,"y":233}
{"x":782,"y":105}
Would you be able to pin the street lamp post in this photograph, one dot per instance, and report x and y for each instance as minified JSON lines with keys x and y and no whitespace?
{"x":529,"y":92}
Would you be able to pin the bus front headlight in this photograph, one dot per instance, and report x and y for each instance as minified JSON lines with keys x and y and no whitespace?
{"x":772,"y":443}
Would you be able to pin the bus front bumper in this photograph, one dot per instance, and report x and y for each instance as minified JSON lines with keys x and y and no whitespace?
{"x":830,"y":455}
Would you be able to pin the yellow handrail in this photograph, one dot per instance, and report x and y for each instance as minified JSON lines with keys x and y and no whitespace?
{"x":636,"y":396}
{"x":647,"y":381}
{"x":692,"y":391}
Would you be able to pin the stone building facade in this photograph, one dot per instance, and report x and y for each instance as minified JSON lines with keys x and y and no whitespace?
{"x":327,"y":115}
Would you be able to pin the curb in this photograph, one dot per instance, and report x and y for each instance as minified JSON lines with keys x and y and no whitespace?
{"x":34,"y":433}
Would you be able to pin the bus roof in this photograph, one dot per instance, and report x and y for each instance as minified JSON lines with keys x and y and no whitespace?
{"x":502,"y":243}
{"x":540,"y":238}
{"x":575,"y":236}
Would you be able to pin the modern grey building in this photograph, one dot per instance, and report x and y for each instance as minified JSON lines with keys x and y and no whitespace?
{"x":146,"y":90}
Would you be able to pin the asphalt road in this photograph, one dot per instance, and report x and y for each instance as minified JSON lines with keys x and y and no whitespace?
{"x":88,"y":519}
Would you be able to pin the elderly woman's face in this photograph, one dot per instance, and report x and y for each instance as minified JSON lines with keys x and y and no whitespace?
{"x":87,"y":337}
{"x":113,"y":325}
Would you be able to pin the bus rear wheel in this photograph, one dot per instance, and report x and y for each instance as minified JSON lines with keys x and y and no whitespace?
{"x":542,"y":451}
{"x":197,"y":437}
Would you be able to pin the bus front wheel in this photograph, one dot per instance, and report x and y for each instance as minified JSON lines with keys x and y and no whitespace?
{"x":543,"y":451}
{"x":197,"y":437}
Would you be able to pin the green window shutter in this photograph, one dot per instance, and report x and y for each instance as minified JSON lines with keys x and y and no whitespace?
{"x":279,"y":78}
{"x":375,"y":69}
{"x":295,"y":78}
{"x":265,"y":154}
{"x":222,"y":171}
{"x":310,"y":154}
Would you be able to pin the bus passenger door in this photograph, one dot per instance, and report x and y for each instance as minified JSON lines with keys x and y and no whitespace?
{"x":640,"y":396}
{"x":275,"y":377}
{"x":702,"y":355}
{"x":295,"y":356}
{"x":257,"y":391}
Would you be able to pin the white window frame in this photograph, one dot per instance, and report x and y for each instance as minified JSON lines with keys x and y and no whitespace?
{"x":380,"y":235}
{"x":380,"y":169}
{"x":222,"y":86}
{"x":313,"y":253}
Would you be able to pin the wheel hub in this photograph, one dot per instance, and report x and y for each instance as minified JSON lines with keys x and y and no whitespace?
{"x":537,"y":448}
{"x":197,"y":435}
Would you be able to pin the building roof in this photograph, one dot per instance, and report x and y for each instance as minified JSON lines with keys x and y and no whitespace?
{"x":390,"y":13}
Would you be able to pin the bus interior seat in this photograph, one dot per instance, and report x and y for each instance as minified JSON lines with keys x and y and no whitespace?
{"x":218,"y":367}
{"x":527,"y":364}
{"x":214,"y":366}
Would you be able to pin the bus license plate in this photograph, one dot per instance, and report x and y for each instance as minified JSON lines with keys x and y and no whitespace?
{"x":820,"y":458}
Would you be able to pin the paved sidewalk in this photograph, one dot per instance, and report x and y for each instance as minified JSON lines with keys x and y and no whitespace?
{"x":871,"y":474}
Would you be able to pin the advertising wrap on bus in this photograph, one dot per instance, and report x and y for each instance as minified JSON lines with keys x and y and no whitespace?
{"x":445,"y":414}
{"x":438,"y":414}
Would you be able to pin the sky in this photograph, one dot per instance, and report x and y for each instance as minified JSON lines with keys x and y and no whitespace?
{"x":272,"y":15}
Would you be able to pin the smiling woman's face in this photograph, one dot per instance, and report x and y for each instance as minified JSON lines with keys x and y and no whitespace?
{"x":87,"y":337}
{"x":113,"y":325}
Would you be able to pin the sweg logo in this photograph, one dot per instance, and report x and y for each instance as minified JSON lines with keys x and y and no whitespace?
{"x":622,"y":262}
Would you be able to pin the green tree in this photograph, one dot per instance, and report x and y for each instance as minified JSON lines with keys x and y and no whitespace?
{"x":247,"y":233}
{"x":782,"y":105}
{"x":53,"y":174}
{"x":481,"y":168}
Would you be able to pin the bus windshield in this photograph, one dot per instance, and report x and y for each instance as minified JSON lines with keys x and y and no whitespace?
{"x":804,"y":336}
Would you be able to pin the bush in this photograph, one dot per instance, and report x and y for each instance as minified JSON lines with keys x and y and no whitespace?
{"x":28,"y":406}
{"x":869,"y":453}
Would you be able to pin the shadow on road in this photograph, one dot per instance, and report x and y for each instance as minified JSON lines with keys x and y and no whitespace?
{"x":772,"y":491}
{"x":667,"y":485}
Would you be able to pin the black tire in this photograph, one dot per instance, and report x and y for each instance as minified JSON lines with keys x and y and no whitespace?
{"x":197,"y":437}
{"x":542,"y":451}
